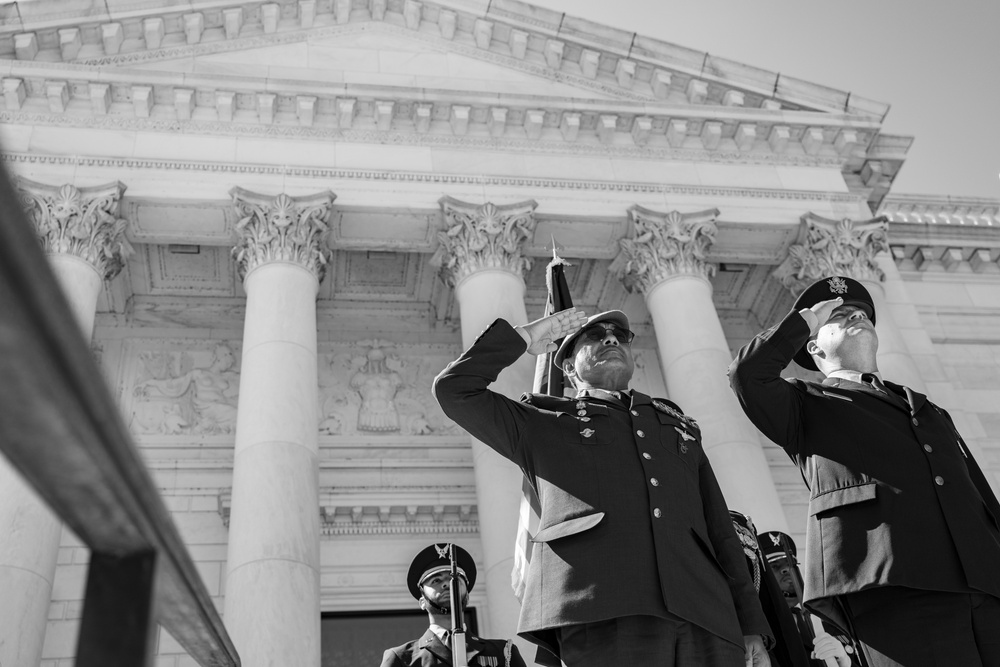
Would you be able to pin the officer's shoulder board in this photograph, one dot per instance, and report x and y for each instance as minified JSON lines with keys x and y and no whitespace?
{"x":545,"y":402}
{"x":674,"y":410}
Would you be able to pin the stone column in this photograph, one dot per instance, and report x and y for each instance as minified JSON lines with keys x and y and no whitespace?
{"x":84,"y":240}
{"x":859,"y":250}
{"x":480,"y":256}
{"x":273,"y":570}
{"x":664,"y":258}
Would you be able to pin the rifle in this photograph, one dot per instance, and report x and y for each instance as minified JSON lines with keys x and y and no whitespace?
{"x":813,"y":625}
{"x":458,"y":657}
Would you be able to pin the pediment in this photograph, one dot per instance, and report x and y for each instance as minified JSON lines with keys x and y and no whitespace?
{"x":377,"y":54}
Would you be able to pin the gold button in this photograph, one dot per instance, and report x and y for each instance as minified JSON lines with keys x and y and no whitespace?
{"x":635,"y":413}
{"x":656,"y":482}
{"x":646,"y":456}
{"x":640,"y":434}
{"x":939,"y":480}
{"x":582,"y":413}
{"x":928,"y":449}
{"x":657,"y":513}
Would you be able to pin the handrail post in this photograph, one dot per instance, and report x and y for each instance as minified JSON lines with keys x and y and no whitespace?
{"x":118,"y":628}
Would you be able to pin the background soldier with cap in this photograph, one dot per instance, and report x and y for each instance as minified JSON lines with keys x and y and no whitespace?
{"x":903,"y":526}
{"x":429,"y":581}
{"x":829,"y":642}
{"x":635,"y":561}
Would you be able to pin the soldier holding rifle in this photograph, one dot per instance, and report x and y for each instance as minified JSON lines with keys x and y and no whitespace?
{"x":440,"y":578}
{"x":827,"y":645}
{"x":902,"y":535}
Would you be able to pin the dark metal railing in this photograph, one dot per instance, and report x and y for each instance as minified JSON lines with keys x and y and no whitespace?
{"x":61,"y":428}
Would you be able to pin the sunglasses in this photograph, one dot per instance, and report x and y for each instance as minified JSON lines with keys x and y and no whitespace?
{"x":596,"y":333}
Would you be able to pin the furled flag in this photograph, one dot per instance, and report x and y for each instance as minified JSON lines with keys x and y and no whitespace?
{"x":548,"y":380}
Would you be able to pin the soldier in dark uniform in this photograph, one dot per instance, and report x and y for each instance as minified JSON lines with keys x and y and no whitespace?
{"x":779,"y":552}
{"x":429,"y":581}
{"x":787,"y":649}
{"x":903,"y":526}
{"x":635,"y":561}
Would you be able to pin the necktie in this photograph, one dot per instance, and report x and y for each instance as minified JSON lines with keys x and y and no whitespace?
{"x":871,"y":379}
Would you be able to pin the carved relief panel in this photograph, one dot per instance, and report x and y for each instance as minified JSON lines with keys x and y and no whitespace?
{"x":182,"y":387}
{"x":375,"y":387}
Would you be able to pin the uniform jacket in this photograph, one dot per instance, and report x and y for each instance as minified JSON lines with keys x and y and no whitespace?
{"x":430,"y":651}
{"x":895,"y":496}
{"x":632,"y":518}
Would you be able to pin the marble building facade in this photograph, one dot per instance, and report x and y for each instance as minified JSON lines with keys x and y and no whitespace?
{"x":278,"y":221}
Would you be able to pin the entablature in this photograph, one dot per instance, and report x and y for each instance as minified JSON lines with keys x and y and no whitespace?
{"x":196,"y":104}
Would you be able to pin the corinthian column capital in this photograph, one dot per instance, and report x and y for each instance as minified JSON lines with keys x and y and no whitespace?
{"x":82,"y":222}
{"x":662,"y":245}
{"x":834,"y":248}
{"x":281,"y":229}
{"x":483,"y":237}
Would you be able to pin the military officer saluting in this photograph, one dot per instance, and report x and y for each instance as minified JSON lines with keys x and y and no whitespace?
{"x":635,"y":561}
{"x":429,"y":581}
{"x":902,"y":533}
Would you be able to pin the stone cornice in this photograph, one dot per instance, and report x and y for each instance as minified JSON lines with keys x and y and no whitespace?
{"x":389,"y":511}
{"x":941,"y":211}
{"x":619,"y":62}
{"x":326,"y":174}
{"x":704,"y":146}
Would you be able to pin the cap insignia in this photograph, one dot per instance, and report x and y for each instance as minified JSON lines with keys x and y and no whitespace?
{"x":837,"y":285}
{"x":442,"y":550}
{"x":775,"y":539}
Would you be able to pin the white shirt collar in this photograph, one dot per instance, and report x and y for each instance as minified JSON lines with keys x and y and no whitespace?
{"x":594,"y":392}
{"x":853,"y":376}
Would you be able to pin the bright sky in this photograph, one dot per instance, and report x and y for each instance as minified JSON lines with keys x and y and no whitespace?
{"x":936,"y":62}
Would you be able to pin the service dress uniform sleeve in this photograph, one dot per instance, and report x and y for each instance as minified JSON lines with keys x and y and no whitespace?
{"x":461,"y":390}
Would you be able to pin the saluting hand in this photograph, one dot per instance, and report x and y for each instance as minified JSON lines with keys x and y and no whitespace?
{"x":542,"y":334}
{"x":818,"y":315}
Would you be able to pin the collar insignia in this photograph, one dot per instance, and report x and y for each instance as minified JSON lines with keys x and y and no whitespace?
{"x":442,"y":550}
{"x":837,"y":285}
